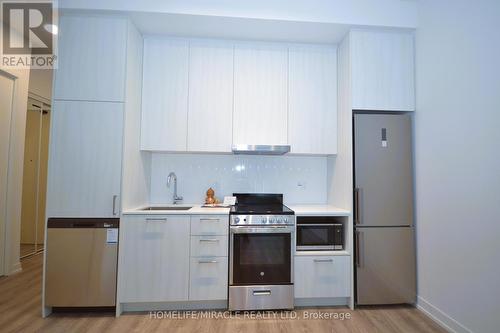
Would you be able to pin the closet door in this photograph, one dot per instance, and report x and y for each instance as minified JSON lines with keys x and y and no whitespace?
{"x":6,"y":95}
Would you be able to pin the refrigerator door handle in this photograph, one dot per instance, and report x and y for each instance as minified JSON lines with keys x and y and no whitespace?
{"x":358,"y":254}
{"x":356,"y":206}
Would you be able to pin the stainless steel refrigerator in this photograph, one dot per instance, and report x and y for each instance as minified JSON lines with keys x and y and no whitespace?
{"x":383,"y":209}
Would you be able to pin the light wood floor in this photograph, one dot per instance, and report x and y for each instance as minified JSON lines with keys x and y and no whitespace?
{"x":20,"y":311}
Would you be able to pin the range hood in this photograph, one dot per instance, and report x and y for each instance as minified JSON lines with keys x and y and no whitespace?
{"x":261,"y":149}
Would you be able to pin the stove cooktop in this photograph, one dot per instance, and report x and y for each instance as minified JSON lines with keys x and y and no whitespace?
{"x":260,"y":204}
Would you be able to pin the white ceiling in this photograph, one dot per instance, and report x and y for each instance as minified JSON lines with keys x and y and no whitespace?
{"x":203,"y":26}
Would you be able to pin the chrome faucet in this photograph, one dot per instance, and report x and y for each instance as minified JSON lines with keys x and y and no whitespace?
{"x":172,"y":177}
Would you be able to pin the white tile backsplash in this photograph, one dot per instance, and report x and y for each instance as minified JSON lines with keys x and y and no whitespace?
{"x":302,"y":180}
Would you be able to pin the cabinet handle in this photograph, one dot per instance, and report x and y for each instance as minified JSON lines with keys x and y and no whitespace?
{"x":114,"y":204}
{"x":151,"y":219}
{"x":323,"y":260}
{"x":209,"y":240}
{"x":261,"y":292}
{"x":207,"y":261}
{"x":209,"y":219}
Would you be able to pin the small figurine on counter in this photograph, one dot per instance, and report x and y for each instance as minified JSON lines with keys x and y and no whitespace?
{"x":211,"y":199}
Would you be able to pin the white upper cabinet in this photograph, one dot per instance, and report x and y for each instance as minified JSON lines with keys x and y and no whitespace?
{"x":260,"y":94}
{"x":91,"y":61}
{"x":383,"y":76}
{"x":312,"y":113}
{"x":210,"y":112}
{"x":165,"y":94}
{"x":85,"y":159}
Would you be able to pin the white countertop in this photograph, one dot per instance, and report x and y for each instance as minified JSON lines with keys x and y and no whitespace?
{"x":196,"y":209}
{"x":318,"y":210}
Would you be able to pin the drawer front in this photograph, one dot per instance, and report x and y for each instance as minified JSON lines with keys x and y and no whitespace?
{"x":209,"y":246}
{"x":209,"y":225}
{"x":208,"y":279}
{"x":322,"y":276}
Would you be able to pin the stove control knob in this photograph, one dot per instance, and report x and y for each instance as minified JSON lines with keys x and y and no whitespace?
{"x":285,"y":220}
{"x":236,"y":220}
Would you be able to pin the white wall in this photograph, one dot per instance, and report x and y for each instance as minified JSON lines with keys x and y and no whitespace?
{"x":236,"y":173}
{"x":136,"y":168}
{"x":41,"y":82}
{"x":457,"y":141}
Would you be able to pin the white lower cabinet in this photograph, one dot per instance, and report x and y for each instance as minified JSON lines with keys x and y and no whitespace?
{"x":322,"y":276}
{"x":173,"y":258}
{"x":209,"y":247}
{"x":154,"y":258}
{"x":208,"y":278}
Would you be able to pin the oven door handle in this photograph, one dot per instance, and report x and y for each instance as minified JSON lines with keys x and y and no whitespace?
{"x":261,"y":230}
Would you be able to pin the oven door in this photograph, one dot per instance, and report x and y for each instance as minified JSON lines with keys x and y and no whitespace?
{"x":261,"y":255}
{"x":317,"y":237}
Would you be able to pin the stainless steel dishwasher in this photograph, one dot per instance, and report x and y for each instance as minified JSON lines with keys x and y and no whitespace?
{"x":81,"y":265}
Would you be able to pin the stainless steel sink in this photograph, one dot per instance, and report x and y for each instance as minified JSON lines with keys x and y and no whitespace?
{"x":167,"y":208}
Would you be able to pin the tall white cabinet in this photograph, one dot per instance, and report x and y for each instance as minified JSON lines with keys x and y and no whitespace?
{"x":260,"y":94}
{"x":86,"y":140}
{"x":85,"y":159}
{"x":91,"y":61}
{"x":312,"y":109}
{"x":165,"y":94}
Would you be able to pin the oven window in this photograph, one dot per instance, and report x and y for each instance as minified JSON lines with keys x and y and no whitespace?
{"x":314,"y":235}
{"x":261,"y":258}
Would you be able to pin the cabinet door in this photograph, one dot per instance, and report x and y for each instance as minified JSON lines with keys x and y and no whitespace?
{"x":164,"y":94}
{"x":322,"y":276}
{"x":312,"y":115}
{"x":260,"y":94}
{"x":85,"y":159}
{"x":91,"y":62}
{"x":154,"y":258}
{"x":210,"y":115}
{"x":208,"y":279}
{"x":383,"y":71}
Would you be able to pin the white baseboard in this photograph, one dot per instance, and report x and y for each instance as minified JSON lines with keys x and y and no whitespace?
{"x":16,"y":268}
{"x":169,"y":306}
{"x":440,"y":317}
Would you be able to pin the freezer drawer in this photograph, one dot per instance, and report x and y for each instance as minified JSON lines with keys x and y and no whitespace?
{"x":385,"y":265}
{"x":81,"y":263}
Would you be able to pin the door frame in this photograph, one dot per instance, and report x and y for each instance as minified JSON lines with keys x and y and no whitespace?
{"x":4,"y":231}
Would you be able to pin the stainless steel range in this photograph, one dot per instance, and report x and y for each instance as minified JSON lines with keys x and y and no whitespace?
{"x":261,"y":251}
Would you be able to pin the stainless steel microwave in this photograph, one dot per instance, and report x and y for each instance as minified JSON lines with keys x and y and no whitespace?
{"x":319,"y":233}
